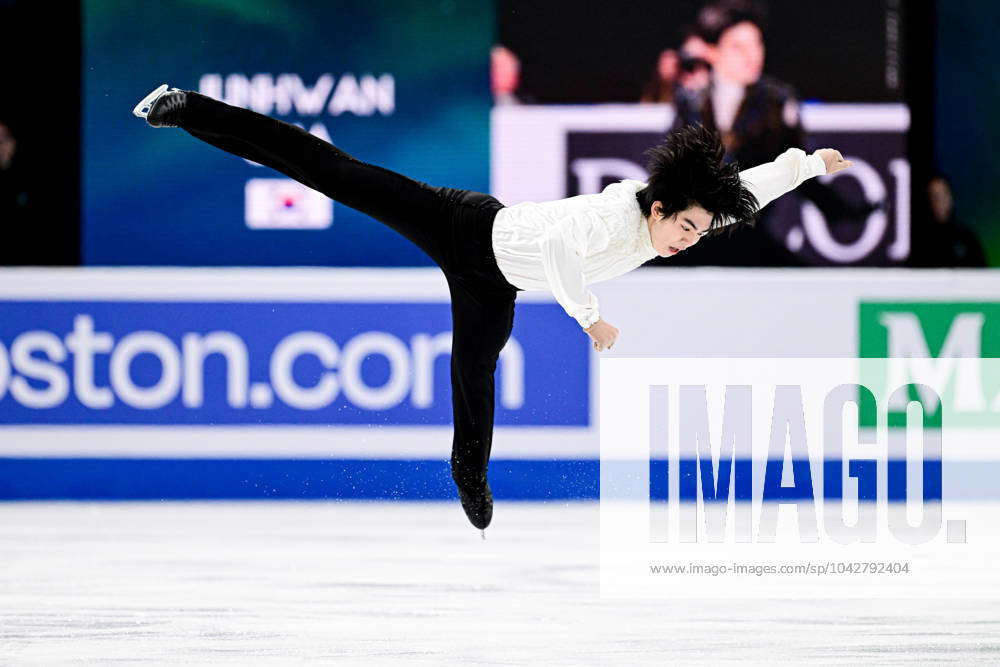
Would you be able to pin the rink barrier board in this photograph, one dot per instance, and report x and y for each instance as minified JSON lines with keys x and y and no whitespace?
{"x":836,"y":316}
{"x":126,"y":479}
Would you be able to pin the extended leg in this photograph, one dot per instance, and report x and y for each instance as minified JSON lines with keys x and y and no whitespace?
{"x":415,"y":210}
{"x":481,"y":325}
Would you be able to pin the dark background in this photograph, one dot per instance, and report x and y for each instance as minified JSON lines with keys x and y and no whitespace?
{"x":583,"y":51}
{"x":40,"y":100}
{"x":963,"y":73}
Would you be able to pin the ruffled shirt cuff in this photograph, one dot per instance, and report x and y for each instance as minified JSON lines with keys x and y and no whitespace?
{"x":589,"y":318}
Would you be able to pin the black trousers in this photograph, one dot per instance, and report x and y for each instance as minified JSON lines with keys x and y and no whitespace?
{"x":454,"y":227}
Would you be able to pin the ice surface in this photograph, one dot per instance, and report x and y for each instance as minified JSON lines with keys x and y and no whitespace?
{"x":379,"y":583}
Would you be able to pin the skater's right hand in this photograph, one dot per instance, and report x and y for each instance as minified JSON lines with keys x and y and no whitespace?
{"x":833,"y":160}
{"x":602,"y":334}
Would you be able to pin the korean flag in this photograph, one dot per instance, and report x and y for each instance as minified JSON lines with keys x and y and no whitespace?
{"x":281,"y":203}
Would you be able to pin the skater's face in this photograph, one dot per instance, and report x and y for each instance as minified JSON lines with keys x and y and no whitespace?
{"x":678,"y":232}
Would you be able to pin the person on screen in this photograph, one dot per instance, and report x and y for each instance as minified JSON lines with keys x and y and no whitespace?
{"x":757,"y":116}
{"x":939,"y":239}
{"x":489,"y":252}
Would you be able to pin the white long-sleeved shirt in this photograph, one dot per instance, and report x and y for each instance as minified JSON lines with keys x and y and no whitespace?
{"x":565,"y":245}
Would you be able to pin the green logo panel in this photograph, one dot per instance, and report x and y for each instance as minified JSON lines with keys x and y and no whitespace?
{"x":955,"y":347}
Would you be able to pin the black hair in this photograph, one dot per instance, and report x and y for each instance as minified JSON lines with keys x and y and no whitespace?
{"x":715,"y":19}
{"x":687,"y":170}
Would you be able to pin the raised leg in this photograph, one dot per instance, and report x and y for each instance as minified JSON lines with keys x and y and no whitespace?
{"x":416,"y":210}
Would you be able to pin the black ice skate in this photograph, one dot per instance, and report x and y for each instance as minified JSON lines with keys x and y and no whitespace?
{"x":477,"y":502}
{"x":162,"y":107}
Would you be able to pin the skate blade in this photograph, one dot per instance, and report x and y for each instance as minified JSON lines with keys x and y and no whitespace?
{"x":141,"y":109}
{"x":483,"y":533}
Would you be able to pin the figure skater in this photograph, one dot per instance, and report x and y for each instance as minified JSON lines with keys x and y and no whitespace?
{"x":489,"y":252}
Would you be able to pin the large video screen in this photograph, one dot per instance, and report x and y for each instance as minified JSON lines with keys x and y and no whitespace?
{"x":399,"y":84}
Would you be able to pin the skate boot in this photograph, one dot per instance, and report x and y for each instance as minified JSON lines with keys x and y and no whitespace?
{"x":477,"y":501}
{"x":162,"y":107}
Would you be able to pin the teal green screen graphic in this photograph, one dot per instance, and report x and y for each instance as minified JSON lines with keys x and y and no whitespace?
{"x":402,"y":84}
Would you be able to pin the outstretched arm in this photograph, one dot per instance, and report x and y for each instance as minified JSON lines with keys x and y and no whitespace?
{"x":770,"y":180}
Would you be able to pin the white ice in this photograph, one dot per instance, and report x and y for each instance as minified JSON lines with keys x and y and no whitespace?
{"x":381,"y":583}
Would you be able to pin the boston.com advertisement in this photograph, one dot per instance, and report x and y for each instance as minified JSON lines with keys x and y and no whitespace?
{"x":281,"y":371}
{"x":184,"y":362}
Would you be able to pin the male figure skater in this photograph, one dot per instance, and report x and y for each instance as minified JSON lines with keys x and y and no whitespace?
{"x":489,"y":252}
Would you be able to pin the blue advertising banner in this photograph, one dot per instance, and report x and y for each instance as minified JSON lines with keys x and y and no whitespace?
{"x":404,"y":85}
{"x":182,"y":362}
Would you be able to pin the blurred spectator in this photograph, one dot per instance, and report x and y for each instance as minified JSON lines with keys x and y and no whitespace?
{"x":15,"y":202}
{"x":505,"y":77}
{"x":8,"y":145}
{"x":939,"y":239}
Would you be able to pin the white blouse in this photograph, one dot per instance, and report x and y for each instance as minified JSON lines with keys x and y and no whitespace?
{"x":565,"y":245}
